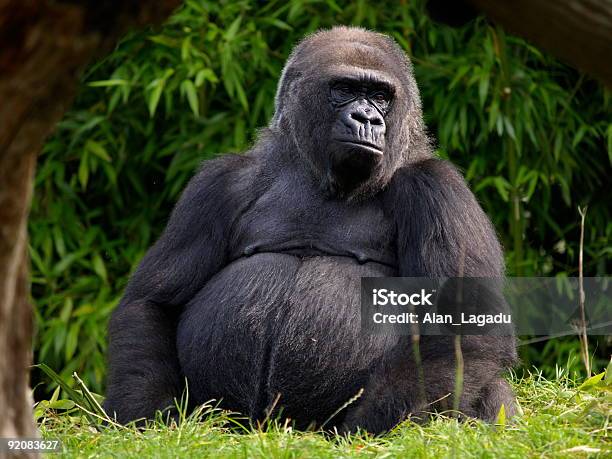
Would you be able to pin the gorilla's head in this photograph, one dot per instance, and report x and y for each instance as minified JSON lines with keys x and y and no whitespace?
{"x":349,"y":102}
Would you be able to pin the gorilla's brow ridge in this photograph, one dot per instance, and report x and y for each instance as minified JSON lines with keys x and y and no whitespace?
{"x":363,"y":74}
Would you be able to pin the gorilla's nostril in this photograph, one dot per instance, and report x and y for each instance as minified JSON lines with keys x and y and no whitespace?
{"x":364,"y":117}
{"x":359,"y":117}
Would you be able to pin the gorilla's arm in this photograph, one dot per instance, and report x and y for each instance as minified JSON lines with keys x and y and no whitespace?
{"x":144,"y":373}
{"x":441,"y":229}
{"x":441,"y":232}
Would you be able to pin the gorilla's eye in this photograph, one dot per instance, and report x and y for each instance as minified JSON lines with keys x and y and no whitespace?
{"x":342,"y":93}
{"x":381,"y":98}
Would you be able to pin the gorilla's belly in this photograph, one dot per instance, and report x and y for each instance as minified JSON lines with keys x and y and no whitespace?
{"x":277,"y":324}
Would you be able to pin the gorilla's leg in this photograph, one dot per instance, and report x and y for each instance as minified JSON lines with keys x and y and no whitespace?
{"x":494,"y":395}
{"x":137,"y":384}
{"x":396,"y":392}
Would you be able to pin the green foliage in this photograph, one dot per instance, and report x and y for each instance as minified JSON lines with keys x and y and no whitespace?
{"x":532,"y":135}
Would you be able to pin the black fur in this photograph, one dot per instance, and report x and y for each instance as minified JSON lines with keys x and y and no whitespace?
{"x":252,"y":291}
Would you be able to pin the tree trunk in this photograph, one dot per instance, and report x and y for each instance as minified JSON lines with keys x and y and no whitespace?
{"x":577,"y":31}
{"x":44,"y":45}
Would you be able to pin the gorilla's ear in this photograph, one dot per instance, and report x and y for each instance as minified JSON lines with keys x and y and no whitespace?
{"x":285,"y":88}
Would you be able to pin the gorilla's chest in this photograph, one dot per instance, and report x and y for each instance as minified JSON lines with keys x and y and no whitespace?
{"x":292,"y":218}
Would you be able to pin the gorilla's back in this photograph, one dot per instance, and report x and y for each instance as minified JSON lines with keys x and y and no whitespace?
{"x":276,"y":323}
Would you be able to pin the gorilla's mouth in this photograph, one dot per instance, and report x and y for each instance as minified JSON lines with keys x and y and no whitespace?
{"x":370,"y":147}
{"x":353,"y":161}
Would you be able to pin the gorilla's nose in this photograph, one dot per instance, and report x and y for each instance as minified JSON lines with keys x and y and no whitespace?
{"x":365,"y":115}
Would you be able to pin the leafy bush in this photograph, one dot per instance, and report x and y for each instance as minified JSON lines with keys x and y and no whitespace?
{"x":532,"y":135}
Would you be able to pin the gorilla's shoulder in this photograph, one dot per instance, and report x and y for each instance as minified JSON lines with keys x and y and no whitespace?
{"x":225,"y":164}
{"x":437,"y":171}
{"x":236,"y":168}
{"x":434,"y":182}
{"x":221,"y":178}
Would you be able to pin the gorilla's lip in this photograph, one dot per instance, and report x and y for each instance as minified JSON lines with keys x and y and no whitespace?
{"x":365,"y":145}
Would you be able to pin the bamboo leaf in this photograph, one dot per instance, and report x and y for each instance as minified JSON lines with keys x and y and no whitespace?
{"x":107,"y":83}
{"x":99,"y":267}
{"x":591,"y":382}
{"x":483,"y":88}
{"x":232,"y":30}
{"x":97,"y":149}
{"x":189,"y":89}
{"x":154,"y":96}
{"x":72,"y":340}
{"x":163,"y":40}
{"x":83,"y":172}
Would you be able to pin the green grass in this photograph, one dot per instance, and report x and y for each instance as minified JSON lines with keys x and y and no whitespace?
{"x":559,"y":419}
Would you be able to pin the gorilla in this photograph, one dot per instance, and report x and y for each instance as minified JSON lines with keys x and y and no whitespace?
{"x":251,"y":296}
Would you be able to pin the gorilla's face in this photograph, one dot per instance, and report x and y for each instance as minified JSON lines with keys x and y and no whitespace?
{"x":348,"y":103}
{"x":360,"y":104}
